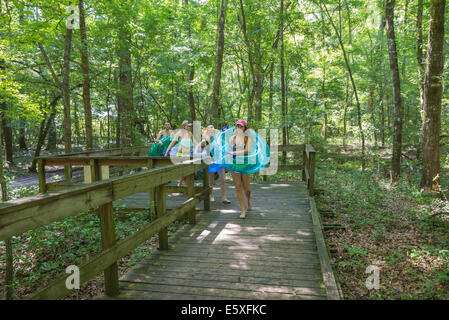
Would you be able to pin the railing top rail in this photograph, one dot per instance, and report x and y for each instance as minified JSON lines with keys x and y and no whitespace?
{"x":104,"y":151}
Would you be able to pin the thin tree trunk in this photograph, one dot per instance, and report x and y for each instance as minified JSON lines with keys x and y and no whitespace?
{"x":119,"y":112}
{"x":190,"y":96}
{"x":251,"y":95}
{"x":218,"y":65}
{"x":22,"y":135}
{"x":348,"y":66}
{"x":323,"y":81}
{"x":9,"y":270}
{"x":86,"y":78}
{"x":65,"y":86}
{"x":7,"y":133}
{"x":5,"y":123}
{"x":430,"y":178}
{"x":43,"y":131}
{"x":381,"y":80}
{"x":345,"y":112}
{"x":125,"y":97}
{"x":397,"y":126}
{"x":281,"y":52}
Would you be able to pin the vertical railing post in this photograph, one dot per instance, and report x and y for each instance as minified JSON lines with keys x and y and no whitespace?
{"x":311,"y":171}
{"x":190,"y":181}
{"x":152,"y":193}
{"x":304,"y":164}
{"x":104,"y":172}
{"x":205,"y":186}
{"x":161,"y":209}
{"x":108,"y":239}
{"x":41,"y":175}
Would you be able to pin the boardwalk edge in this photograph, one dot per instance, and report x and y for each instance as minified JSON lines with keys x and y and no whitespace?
{"x":332,"y":289}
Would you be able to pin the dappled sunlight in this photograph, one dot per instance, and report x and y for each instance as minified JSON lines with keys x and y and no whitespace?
{"x":203,"y":235}
{"x":228,"y":211}
{"x":303,"y":233}
{"x":275,"y":238}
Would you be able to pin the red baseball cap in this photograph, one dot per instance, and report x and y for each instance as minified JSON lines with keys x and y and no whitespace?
{"x":241,"y":122}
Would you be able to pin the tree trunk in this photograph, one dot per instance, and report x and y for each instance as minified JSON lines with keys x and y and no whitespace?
{"x":7,"y":133}
{"x":9,"y":268}
{"x":6,"y":128}
{"x":381,"y":80}
{"x":281,"y":52}
{"x":432,"y":97}
{"x":125,"y":98}
{"x":348,"y":67}
{"x":51,"y":142}
{"x":397,"y":122}
{"x":218,"y":64}
{"x":345,"y":111}
{"x":323,"y":82}
{"x":66,"y":99}
{"x":43,"y":131}
{"x":190,"y":97}
{"x":86,"y":78}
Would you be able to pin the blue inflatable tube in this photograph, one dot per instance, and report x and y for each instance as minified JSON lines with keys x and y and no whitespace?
{"x":257,"y":158}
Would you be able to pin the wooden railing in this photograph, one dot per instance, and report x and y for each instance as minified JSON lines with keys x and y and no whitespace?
{"x":60,"y":200}
{"x":308,"y":163}
{"x":21,"y":215}
{"x":96,"y":165}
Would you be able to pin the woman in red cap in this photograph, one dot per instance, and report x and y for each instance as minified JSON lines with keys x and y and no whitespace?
{"x":240,"y":144}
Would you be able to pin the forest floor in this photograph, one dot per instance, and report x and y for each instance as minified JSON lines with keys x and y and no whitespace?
{"x":398,"y":228}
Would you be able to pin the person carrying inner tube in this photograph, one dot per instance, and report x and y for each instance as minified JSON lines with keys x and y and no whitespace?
{"x":185,"y":145}
{"x":240,"y":143}
{"x":208,"y":137}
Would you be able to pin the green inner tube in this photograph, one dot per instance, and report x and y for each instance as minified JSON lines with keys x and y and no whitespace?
{"x":158,"y":150}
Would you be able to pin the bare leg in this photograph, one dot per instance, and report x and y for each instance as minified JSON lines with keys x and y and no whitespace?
{"x":211,"y":184}
{"x":247,"y":190}
{"x":221,"y":173}
{"x":181,"y":181}
{"x":237,"y":178}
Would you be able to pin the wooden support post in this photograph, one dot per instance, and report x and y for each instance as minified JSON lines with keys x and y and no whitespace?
{"x":104,"y":172}
{"x":92,"y":172}
{"x":111,"y":282}
{"x":87,"y":174}
{"x":206,"y":185}
{"x":190,"y":181}
{"x":67,"y":172}
{"x":311,"y":172}
{"x":152,"y":194}
{"x":41,"y":174}
{"x":161,"y":209}
{"x":304,"y":164}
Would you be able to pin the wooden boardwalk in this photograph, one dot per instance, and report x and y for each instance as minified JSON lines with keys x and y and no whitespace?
{"x":272,"y":254}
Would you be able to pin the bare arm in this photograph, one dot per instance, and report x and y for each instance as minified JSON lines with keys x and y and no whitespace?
{"x":175,"y":138}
